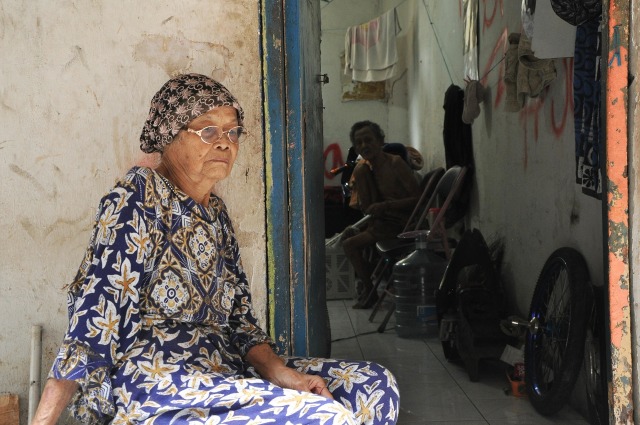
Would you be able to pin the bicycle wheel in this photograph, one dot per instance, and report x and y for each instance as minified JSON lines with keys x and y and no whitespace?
{"x":596,"y":363}
{"x":561,"y":303}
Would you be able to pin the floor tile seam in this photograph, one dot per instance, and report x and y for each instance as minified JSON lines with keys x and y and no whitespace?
{"x":457,"y":383}
{"x":353,"y":328}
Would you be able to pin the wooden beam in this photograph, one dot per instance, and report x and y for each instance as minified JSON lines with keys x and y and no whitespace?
{"x":9,"y":409}
{"x":617,"y":185}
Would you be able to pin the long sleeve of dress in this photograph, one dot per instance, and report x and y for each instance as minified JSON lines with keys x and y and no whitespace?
{"x":160,"y":311}
{"x":103,"y":302}
{"x":245,"y":331}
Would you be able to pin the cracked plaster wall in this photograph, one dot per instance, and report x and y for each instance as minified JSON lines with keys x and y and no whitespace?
{"x":76,"y":79}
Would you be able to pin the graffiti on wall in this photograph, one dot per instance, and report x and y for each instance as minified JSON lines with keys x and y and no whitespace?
{"x":333,"y":158}
{"x":556,"y":102}
{"x":490,"y":11}
{"x":499,"y":49}
{"x":565,"y":103}
{"x":616,"y":44}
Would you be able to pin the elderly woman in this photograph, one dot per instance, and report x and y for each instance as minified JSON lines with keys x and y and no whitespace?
{"x":161,"y":327}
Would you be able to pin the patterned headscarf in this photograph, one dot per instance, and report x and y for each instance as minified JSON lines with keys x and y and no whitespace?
{"x":180,"y":100}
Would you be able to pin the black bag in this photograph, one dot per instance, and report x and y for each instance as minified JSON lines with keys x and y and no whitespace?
{"x":577,"y":12}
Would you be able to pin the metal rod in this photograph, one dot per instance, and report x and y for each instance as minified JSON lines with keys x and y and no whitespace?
{"x":34,"y":371}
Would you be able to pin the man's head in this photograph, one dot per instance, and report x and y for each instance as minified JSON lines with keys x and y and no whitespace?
{"x":375,"y":128}
{"x":367,"y":138}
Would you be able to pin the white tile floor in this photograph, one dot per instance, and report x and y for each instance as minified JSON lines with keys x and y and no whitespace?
{"x":433,"y":390}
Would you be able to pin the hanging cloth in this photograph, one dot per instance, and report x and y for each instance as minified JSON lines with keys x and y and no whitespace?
{"x":370,"y":48}
{"x":525,"y":75}
{"x":587,"y":104}
{"x":458,"y":149}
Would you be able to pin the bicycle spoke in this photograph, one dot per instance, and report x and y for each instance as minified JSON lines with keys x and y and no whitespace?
{"x":553,"y":341}
{"x":558,"y":309}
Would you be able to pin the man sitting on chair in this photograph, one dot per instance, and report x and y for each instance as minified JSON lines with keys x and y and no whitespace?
{"x":384,"y":186}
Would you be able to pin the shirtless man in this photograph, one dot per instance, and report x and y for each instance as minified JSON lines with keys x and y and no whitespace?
{"x":386,"y":188}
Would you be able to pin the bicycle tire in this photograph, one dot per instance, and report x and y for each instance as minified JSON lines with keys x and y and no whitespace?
{"x":596,"y":363}
{"x":561,"y":304}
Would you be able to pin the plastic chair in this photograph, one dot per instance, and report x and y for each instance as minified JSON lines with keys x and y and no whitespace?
{"x":390,"y":250}
{"x":447,"y":190}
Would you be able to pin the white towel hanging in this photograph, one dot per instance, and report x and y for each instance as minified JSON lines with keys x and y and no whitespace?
{"x":370,"y":48}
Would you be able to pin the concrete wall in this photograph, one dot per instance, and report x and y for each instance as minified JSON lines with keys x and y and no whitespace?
{"x":525,"y":190}
{"x":76,"y":79}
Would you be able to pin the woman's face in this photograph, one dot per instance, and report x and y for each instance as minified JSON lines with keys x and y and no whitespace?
{"x":366,"y":143}
{"x":199,"y":161}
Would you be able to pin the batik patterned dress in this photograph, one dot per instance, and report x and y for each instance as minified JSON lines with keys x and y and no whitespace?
{"x":160,"y":319}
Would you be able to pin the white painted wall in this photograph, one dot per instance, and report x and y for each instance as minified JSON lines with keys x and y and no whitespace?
{"x":525,"y":189}
{"x":76,"y":79}
{"x":339,"y":116}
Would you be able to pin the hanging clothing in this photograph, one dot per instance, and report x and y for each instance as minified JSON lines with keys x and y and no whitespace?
{"x":370,"y":48}
{"x":525,"y":75}
{"x":586,"y":100}
{"x":474,"y":93}
{"x":458,"y":149}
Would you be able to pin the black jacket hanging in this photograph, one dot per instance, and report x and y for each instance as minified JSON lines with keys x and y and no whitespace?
{"x":458,"y":148}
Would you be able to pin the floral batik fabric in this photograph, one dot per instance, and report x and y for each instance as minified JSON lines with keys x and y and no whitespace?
{"x":160,"y":319}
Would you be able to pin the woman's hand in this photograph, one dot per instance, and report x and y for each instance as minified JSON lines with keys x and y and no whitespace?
{"x":286,"y":377}
{"x":272,"y":368}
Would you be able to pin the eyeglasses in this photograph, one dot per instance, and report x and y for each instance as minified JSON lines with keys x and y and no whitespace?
{"x":213,"y":134}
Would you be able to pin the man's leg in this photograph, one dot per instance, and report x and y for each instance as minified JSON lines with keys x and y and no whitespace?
{"x":354,"y":250}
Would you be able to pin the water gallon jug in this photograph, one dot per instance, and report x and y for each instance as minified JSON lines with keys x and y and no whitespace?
{"x":415,"y":280}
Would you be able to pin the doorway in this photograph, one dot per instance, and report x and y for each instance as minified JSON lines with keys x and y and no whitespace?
{"x":519,"y":144}
{"x":293,"y":106}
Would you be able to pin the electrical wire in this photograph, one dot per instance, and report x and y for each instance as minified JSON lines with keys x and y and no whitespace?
{"x":354,"y":336}
{"x":493,"y":67}
{"x":437,"y":40}
{"x":344,"y":29}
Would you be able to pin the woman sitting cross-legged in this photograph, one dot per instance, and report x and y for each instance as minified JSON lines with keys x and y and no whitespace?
{"x":161,"y":326}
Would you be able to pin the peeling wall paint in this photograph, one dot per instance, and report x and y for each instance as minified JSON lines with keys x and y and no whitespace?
{"x":634,"y":212}
{"x":616,"y":104}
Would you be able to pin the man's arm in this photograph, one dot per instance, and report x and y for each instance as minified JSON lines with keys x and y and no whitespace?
{"x":401,"y":176}
{"x":364,"y":186}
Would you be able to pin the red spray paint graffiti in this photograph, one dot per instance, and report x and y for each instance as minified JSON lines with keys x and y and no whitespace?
{"x":490,"y":16}
{"x":499,"y":49}
{"x":567,"y":99}
{"x":333,"y":157}
{"x":534,"y":108}
{"x":558,"y":123}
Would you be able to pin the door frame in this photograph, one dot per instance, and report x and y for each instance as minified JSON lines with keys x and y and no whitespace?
{"x":276,"y":184}
{"x":295,"y":275}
